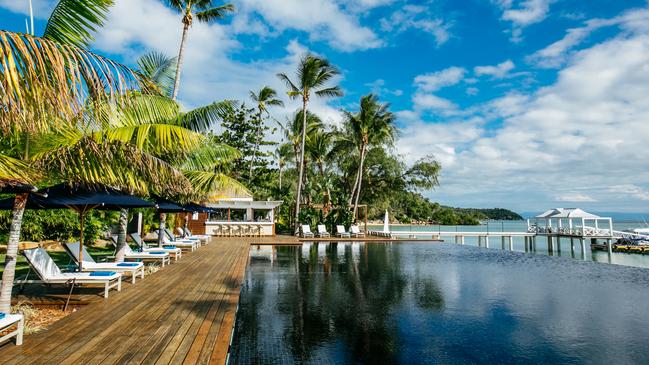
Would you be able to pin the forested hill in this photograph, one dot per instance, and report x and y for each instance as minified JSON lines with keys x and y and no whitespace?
{"x":492,"y":213}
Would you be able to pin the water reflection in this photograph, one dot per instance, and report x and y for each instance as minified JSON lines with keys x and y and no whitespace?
{"x":436,"y":303}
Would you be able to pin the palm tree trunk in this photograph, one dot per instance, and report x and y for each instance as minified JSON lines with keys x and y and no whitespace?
{"x":12,"y":252}
{"x":280,"y":176}
{"x":161,"y":228}
{"x":298,"y":197}
{"x":257,"y":138}
{"x":179,"y":64}
{"x":360,"y":180}
{"x":353,"y":194}
{"x":327,"y":197}
{"x":121,"y":235}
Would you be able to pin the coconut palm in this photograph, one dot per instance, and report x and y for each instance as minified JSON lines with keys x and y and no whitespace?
{"x":205,"y":12}
{"x":372,"y":125}
{"x":318,"y":147}
{"x":160,"y":69}
{"x":313,"y":74}
{"x":264,"y":98}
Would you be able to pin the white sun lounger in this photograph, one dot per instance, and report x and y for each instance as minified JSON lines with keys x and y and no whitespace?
{"x":173,"y":238}
{"x":356,"y":232}
{"x":182,"y":244}
{"x":322,"y":231}
{"x":49,"y":273}
{"x":11,"y":320}
{"x":341,"y":232}
{"x":306,"y":231}
{"x":162,"y":257}
{"x":205,"y":239}
{"x":89,"y":264}
{"x":175,"y":252}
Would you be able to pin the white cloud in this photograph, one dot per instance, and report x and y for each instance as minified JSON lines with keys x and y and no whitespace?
{"x":575,"y":198}
{"x":588,"y":128}
{"x":432,"y":102}
{"x":418,"y":18}
{"x":498,"y":71}
{"x":41,"y":8}
{"x":472,"y":91}
{"x":321,"y":19}
{"x":378,"y":87}
{"x":523,"y":13}
{"x":436,"y":80}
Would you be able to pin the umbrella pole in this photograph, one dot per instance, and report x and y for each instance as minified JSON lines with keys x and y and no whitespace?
{"x":82,"y":219}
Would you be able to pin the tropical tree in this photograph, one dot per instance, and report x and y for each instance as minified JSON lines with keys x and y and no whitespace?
{"x":318,"y":147}
{"x":373,"y":125}
{"x":313,"y":74}
{"x":205,"y":12}
{"x":264,"y":98}
{"x":57,"y":70}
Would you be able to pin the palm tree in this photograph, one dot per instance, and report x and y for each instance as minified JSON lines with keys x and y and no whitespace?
{"x":313,"y":74}
{"x":204,"y":12}
{"x":318,"y":147}
{"x":372,"y":125}
{"x":57,"y":70}
{"x":265,"y":97}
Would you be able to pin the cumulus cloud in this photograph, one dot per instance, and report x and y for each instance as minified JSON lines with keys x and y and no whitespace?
{"x":418,"y":18}
{"x":41,"y":8}
{"x":498,"y":71}
{"x":588,"y":127}
{"x":523,"y":13}
{"x":436,"y":80}
{"x":321,"y":19}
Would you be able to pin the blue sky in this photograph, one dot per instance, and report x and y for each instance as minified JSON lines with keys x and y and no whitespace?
{"x":528,"y":104}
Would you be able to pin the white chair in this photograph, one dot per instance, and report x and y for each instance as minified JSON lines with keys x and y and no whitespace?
{"x":356,"y":231}
{"x":89,"y":264}
{"x":341,"y":232}
{"x":49,"y":273}
{"x":182,"y":244}
{"x":175,"y":252}
{"x":306,"y":231}
{"x":11,"y":320}
{"x":173,"y":238}
{"x":147,"y":256}
{"x":322,"y":231}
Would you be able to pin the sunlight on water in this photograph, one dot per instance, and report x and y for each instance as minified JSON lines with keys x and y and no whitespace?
{"x":422,"y":303}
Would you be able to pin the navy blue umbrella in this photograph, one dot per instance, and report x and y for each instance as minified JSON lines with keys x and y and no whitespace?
{"x":80,"y":199}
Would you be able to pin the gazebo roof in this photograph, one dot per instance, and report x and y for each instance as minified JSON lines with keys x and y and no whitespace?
{"x":244,"y":204}
{"x":567,"y":213}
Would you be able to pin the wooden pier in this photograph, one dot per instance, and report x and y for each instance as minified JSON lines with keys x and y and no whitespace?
{"x":183,"y":313}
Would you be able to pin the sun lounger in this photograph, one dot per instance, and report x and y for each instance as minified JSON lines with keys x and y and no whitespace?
{"x":341,"y":232}
{"x":186,"y":245}
{"x":145,"y":256}
{"x":306,"y":231}
{"x":12,"y":320}
{"x":322,"y":231}
{"x":49,"y":273}
{"x":172,"y":250}
{"x":89,"y":264}
{"x":356,"y":232}
{"x":205,"y":239}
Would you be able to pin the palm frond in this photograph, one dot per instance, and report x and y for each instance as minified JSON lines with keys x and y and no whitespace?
{"x":210,"y":156}
{"x":293,"y":91}
{"x":330,"y":92}
{"x":160,"y":70}
{"x":178,"y":5}
{"x":212,"y":14}
{"x":204,"y":118}
{"x":13,"y":171}
{"x":42,"y":81}
{"x":73,"y":21}
{"x":214,"y":185}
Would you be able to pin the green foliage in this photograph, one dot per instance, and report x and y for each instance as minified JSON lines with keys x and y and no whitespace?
{"x":338,"y":216}
{"x":58,"y":225}
{"x":310,"y":216}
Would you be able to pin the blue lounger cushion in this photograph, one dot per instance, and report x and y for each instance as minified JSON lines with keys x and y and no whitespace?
{"x":2,"y":315}
{"x":157,"y":252}
{"x":102,"y":273}
{"x":128,"y":264}
{"x":169,"y":247}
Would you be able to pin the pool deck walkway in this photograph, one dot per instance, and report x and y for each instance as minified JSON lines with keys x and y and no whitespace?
{"x":182,"y":314}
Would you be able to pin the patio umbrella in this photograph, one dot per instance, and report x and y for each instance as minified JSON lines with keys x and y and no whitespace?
{"x":165,"y":206}
{"x":81,"y":199}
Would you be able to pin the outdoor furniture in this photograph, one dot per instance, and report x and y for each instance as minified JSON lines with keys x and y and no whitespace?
{"x":322,"y":231}
{"x":153,"y":255}
{"x":10,"y":320}
{"x":235,"y":231}
{"x":341,"y":232}
{"x":175,"y":239}
{"x":49,"y":273}
{"x":183,"y":245}
{"x":89,"y":264}
{"x":306,"y":231}
{"x":199,"y":236}
{"x":255,"y":231}
{"x":175,"y":252}
{"x":355,"y":231}
{"x":245,"y":230}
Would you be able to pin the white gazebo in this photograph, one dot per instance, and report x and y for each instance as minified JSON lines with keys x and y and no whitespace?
{"x":571,"y":222}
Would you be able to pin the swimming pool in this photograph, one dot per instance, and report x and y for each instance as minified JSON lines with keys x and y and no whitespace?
{"x":428,"y":303}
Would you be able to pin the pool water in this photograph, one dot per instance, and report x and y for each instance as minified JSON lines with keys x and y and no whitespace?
{"x":423,"y":303}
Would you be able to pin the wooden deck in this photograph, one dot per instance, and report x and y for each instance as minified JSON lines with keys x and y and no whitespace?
{"x":184,"y":313}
